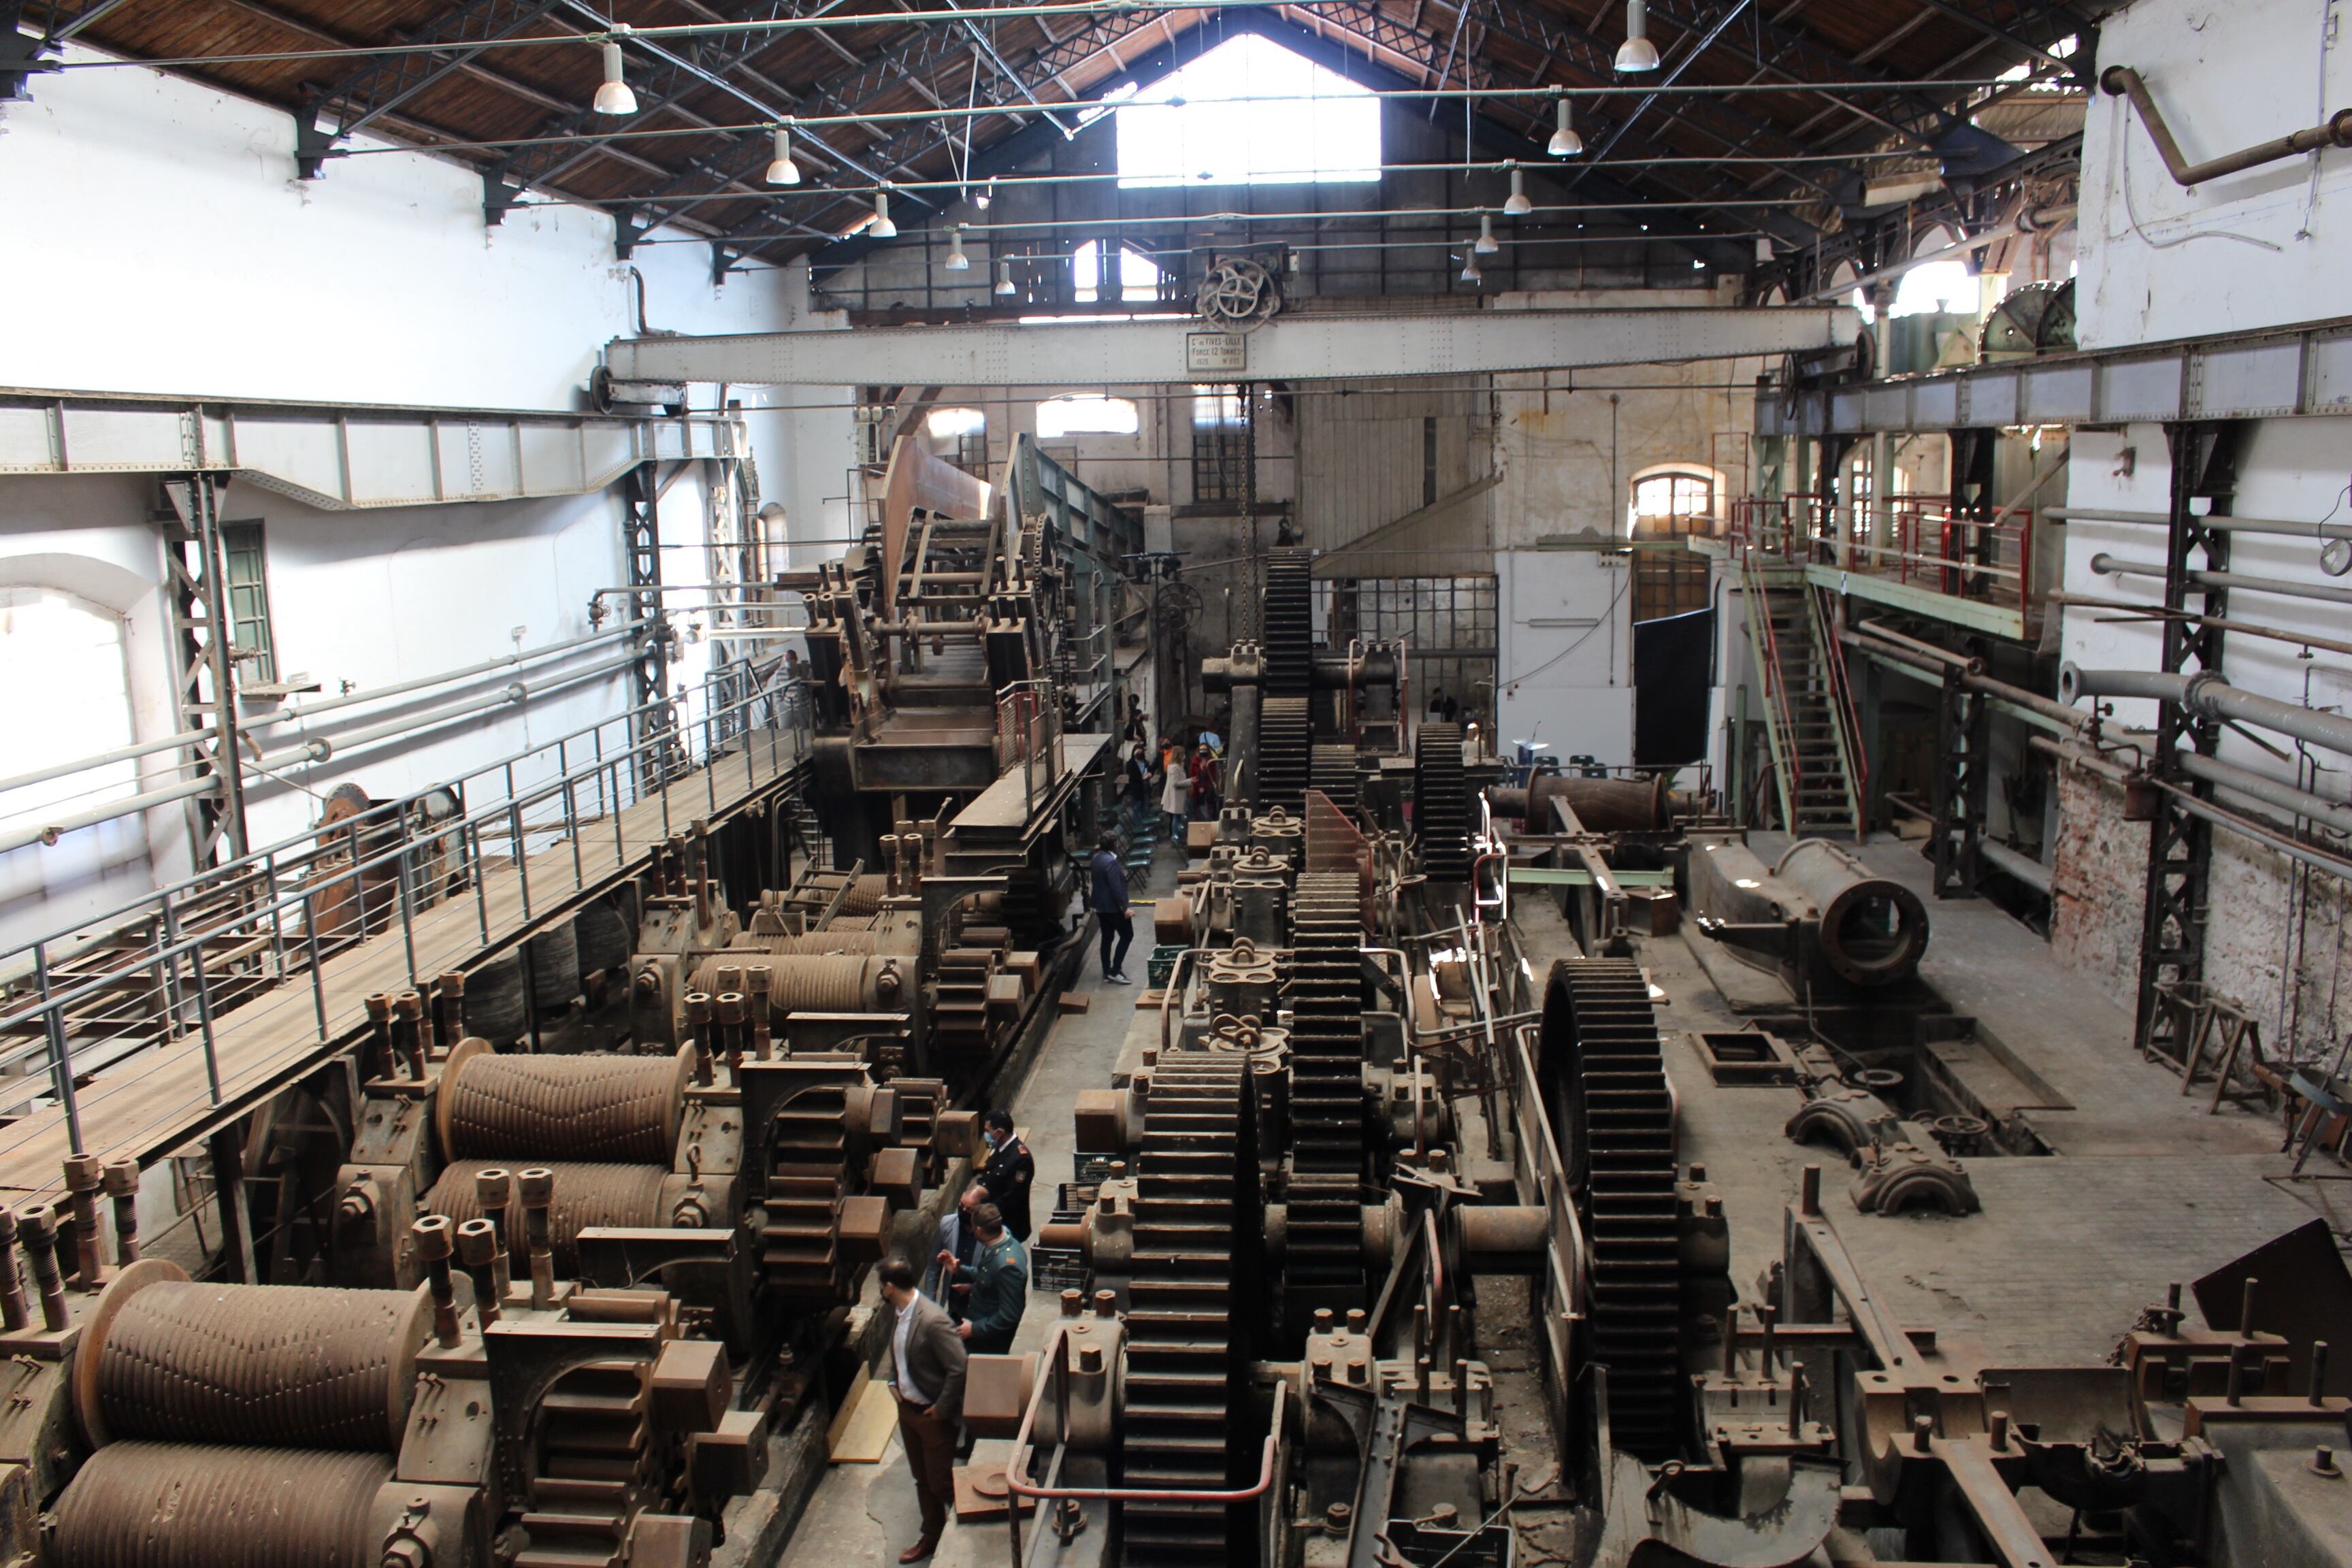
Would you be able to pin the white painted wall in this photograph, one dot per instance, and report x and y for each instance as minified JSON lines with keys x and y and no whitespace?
{"x":162,"y":245}
{"x":2257,"y":249}
{"x":183,"y":257}
{"x":1567,"y":652}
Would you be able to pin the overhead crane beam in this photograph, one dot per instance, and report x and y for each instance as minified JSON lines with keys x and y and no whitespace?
{"x":1288,"y":348}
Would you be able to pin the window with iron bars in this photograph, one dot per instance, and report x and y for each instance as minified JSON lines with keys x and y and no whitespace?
{"x":1220,"y":444}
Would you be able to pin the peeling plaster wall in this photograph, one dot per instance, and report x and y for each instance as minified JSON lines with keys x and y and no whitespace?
{"x":2098,"y":883}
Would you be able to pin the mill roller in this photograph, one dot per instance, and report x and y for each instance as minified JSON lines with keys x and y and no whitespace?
{"x":178,"y":1424}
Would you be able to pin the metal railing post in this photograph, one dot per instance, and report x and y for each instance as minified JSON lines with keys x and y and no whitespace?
{"x":317,"y":975}
{"x":204,"y":1018}
{"x":168,"y":972}
{"x":473,"y":834}
{"x":521,"y":863}
{"x":60,"y":1056}
{"x":276,"y":913}
{"x":407,"y":909}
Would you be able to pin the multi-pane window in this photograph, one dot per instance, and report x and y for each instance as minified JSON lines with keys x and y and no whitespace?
{"x":1448,"y":625}
{"x":1137,"y":277}
{"x":247,"y":582}
{"x":967,"y":428}
{"x":1220,"y":444}
{"x":1668,"y":579}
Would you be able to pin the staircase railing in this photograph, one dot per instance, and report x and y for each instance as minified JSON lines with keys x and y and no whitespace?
{"x":1847,"y":726}
{"x":1779,"y":719}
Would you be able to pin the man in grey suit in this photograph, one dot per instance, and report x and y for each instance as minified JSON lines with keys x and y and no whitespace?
{"x":924,"y":1365}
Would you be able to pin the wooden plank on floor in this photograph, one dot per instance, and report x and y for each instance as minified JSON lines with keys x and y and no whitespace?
{"x":863,"y":1427}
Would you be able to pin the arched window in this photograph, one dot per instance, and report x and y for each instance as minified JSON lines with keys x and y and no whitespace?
{"x":64,"y":694}
{"x":1668,"y":505}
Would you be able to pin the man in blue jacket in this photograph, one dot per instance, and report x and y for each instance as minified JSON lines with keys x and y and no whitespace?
{"x":1108,"y":898}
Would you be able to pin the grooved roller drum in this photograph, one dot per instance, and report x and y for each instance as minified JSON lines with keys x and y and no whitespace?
{"x":283,"y":1365}
{"x":756,"y":951}
{"x":832,"y":938}
{"x":182,"y":1505}
{"x":586,"y":1195}
{"x":836,"y":982}
{"x":865,"y":895}
{"x":525,"y":1108}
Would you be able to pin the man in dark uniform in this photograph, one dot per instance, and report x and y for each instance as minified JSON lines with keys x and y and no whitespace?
{"x":1008,"y":1173}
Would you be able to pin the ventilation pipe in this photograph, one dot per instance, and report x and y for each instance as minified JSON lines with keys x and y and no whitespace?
{"x":2122,"y":81}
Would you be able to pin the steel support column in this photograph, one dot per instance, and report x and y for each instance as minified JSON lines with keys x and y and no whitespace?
{"x":641,"y":541}
{"x":2180,"y":845}
{"x":1963,"y":776}
{"x":204,"y":662}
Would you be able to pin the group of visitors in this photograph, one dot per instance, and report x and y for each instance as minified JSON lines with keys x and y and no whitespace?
{"x":969,"y":1302}
{"x":1188,"y":787}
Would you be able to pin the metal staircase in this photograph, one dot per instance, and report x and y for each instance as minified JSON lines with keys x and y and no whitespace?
{"x":1819,"y":771}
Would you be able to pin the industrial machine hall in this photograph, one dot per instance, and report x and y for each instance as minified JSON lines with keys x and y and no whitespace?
{"x":1162,"y":783}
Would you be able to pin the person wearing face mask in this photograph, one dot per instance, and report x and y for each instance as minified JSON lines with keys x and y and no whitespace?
{"x":1008,"y":1173}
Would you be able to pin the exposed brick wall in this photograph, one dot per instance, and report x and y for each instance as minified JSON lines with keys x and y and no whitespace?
{"x":2264,"y":922}
{"x":2098,"y":882}
{"x":2267,"y":922}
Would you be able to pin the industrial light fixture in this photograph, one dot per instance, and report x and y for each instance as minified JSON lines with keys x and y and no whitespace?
{"x":1485,"y":244}
{"x":881,"y":227}
{"x":957,"y":260}
{"x":984,"y":195}
{"x":1637,"y":52}
{"x":1470,"y":273}
{"x":1004,"y":289}
{"x":615,"y":96}
{"x":1565,"y":141}
{"x":1518,"y":205}
{"x":1763,"y":249}
{"x":781,"y":170}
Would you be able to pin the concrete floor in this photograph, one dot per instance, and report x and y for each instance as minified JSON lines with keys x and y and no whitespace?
{"x":864,"y":1515}
{"x":2147,"y":1187}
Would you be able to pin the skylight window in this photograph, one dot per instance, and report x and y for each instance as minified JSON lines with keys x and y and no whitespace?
{"x":1249,"y":112}
{"x":2062,"y":49}
{"x":1139,"y":277}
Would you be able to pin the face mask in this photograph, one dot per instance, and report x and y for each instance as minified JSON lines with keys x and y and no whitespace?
{"x":990,"y":1139}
